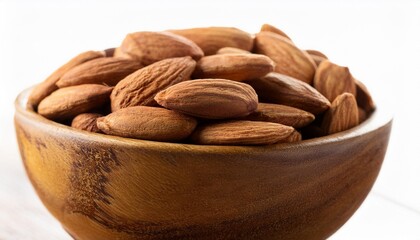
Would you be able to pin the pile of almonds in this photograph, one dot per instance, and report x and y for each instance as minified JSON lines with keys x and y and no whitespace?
{"x":214,"y":85}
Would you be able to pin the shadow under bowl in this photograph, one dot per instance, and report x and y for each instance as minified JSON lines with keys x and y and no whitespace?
{"x":107,"y":187}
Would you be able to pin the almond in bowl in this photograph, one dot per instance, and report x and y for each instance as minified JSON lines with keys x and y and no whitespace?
{"x":204,"y":133}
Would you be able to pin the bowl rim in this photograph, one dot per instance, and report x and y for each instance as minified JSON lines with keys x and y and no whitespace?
{"x":378,"y":119}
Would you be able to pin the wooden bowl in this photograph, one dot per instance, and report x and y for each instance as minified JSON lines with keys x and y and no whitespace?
{"x":106,"y":187}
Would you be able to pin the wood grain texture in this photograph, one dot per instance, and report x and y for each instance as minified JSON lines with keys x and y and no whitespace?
{"x":104,"y":187}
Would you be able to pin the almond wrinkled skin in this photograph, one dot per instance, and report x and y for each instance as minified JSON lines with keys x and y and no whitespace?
{"x":269,"y":28}
{"x":342,"y":115}
{"x":148,"y":123}
{"x":140,"y":87}
{"x":276,"y":113}
{"x":86,"y":122}
{"x":232,"y":50}
{"x":289,"y":59}
{"x":151,"y":47}
{"x":285,"y":90}
{"x":48,"y":86}
{"x":108,"y":71}
{"x":66,"y":103}
{"x":317,"y":56}
{"x":295,"y":136}
{"x":211,"y":39}
{"x":332,"y":80}
{"x":241,"y":133}
{"x":236,"y":67}
{"x":363,"y":97}
{"x":210,"y":98}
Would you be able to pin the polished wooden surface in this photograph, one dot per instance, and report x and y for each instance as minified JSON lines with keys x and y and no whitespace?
{"x":107,"y":187}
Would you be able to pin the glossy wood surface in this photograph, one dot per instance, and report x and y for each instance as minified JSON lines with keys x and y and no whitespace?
{"x":104,"y":187}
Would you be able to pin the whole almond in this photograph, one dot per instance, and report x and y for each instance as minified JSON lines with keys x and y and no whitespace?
{"x":140,"y":87}
{"x":363,"y":97}
{"x":230,"y":50}
{"x":236,"y":67}
{"x":332,"y":80}
{"x":342,"y":115}
{"x":66,"y":103}
{"x":282,"y":89}
{"x":151,"y":47}
{"x":276,"y":113}
{"x":289,"y":59}
{"x":210,"y":98}
{"x":211,"y":39}
{"x":48,"y":86}
{"x":241,"y":133}
{"x":148,"y":123}
{"x":86,"y":122}
{"x":270,"y":28}
{"x":108,"y":71}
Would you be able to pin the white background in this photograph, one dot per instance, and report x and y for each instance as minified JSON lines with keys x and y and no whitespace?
{"x":378,"y":40}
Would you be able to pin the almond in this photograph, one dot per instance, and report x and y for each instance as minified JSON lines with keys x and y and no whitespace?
{"x":332,"y":80}
{"x":342,"y":115}
{"x":362,"y":114}
{"x":108,"y":71}
{"x":236,"y":67}
{"x":229,"y":50}
{"x":87,"y":122}
{"x":48,"y":86}
{"x":241,"y":133}
{"x":363,"y":97}
{"x":289,"y":59}
{"x":282,"y":89}
{"x":211,"y":39}
{"x":149,"y":123}
{"x":210,"y":98}
{"x":276,"y":113}
{"x":269,"y":28}
{"x":66,"y":103}
{"x":140,"y":87}
{"x":151,"y":47}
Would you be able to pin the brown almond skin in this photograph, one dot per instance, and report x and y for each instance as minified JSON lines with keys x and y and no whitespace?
{"x":237,"y":67}
{"x":108,"y":71}
{"x":332,"y":80}
{"x":295,"y":136}
{"x":281,"y":89}
{"x":342,"y":115}
{"x":362,"y":115}
{"x":316,"y":53}
{"x":241,"y":133}
{"x":140,"y":87}
{"x":86,"y":122}
{"x":363,"y":97}
{"x":66,"y":103}
{"x":148,"y":123}
{"x":211,"y":39}
{"x":270,"y":28}
{"x":276,"y":113}
{"x":210,"y":98}
{"x":289,"y":59}
{"x":151,"y":47}
{"x":48,"y":86}
{"x":232,"y":50}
